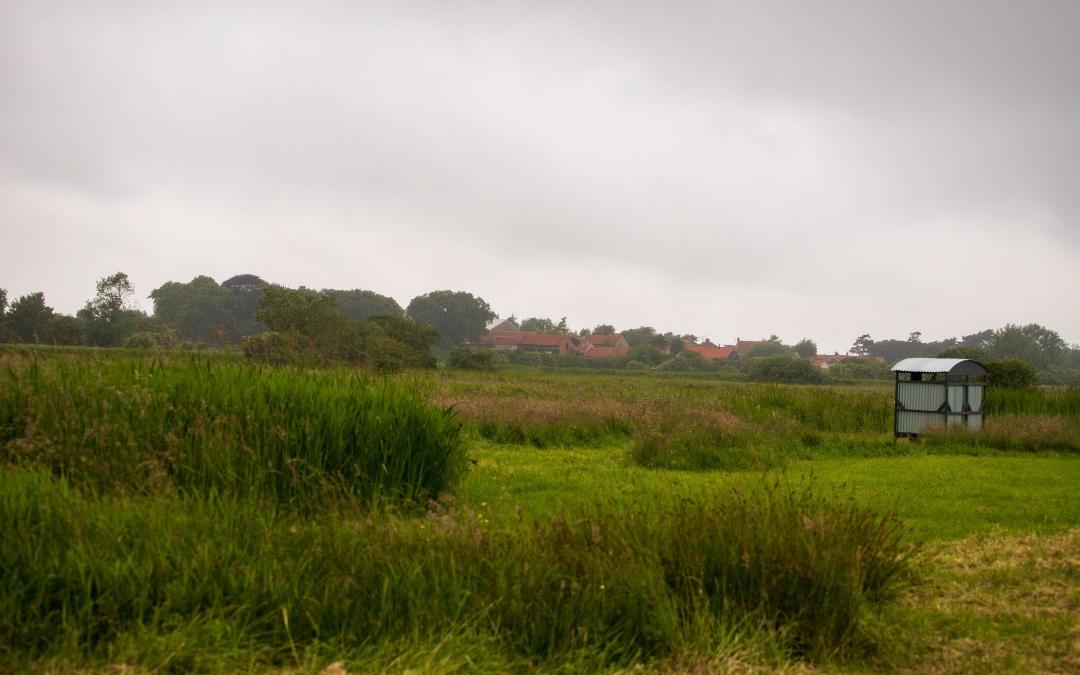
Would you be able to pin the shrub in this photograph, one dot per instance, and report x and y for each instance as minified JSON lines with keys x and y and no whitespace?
{"x":524,"y":358}
{"x":276,"y":348}
{"x":637,"y":365}
{"x":468,"y":358}
{"x":784,"y":369}
{"x":685,"y":362}
{"x":1012,"y":373}
{"x":770,"y":349}
{"x":142,"y":340}
{"x":860,"y":369}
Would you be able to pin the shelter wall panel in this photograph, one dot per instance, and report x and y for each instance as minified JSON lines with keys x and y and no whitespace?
{"x":921,"y":395}
{"x":975,"y":396}
{"x":956,"y":397}
{"x":909,"y":422}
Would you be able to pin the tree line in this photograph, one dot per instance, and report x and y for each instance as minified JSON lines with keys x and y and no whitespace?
{"x":1043,"y":350}
{"x":275,"y":323}
{"x":268,"y":321}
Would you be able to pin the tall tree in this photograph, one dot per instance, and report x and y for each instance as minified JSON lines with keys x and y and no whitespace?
{"x":247,"y":291}
{"x":604,"y":329}
{"x":537,"y":324}
{"x":357,"y":303}
{"x":806,"y":348}
{"x":863,"y":344}
{"x":67,"y":330}
{"x":29,"y":318}
{"x":642,"y":335}
{"x":456,"y":315}
{"x":1035,"y":344}
{"x":110,"y":316}
{"x":981,"y":339}
{"x":200,"y":310}
{"x":298,"y":311}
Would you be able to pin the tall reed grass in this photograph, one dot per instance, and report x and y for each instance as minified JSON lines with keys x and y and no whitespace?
{"x":1045,"y":401}
{"x":80,"y":576}
{"x":567,"y":409}
{"x":188,"y":424}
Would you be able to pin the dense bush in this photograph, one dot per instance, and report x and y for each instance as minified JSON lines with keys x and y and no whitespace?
{"x":860,"y":369}
{"x":305,"y":328}
{"x":686,"y":362}
{"x":197,"y":426}
{"x":784,"y":369}
{"x":521,"y":357}
{"x":1011,"y":373}
{"x":468,"y":358}
{"x":276,"y":348}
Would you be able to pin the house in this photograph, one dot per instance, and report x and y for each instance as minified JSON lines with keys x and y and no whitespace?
{"x":603,"y":346}
{"x":743,"y":347}
{"x":711,"y":352}
{"x":505,"y":325}
{"x":525,"y":341}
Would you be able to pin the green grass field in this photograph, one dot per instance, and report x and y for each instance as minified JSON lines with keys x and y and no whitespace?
{"x":194,"y":514}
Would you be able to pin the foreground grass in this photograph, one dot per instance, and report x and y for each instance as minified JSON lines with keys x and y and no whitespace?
{"x":997,"y":603}
{"x":158,"y":516}
{"x":85,"y":577}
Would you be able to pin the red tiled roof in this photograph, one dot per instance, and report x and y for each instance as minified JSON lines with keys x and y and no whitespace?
{"x":517,"y":337}
{"x":709,"y":351}
{"x":603,"y":340}
{"x":744,"y":346}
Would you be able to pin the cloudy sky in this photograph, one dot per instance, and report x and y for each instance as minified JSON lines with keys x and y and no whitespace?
{"x":819,"y":169}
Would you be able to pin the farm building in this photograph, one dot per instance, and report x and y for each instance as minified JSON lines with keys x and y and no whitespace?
{"x":936,"y":393}
{"x":603,"y":346}
{"x":551,"y":343}
{"x":711,"y":352}
{"x":742,"y":347}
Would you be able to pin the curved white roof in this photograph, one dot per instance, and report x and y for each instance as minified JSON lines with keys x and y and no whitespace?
{"x":919,"y":365}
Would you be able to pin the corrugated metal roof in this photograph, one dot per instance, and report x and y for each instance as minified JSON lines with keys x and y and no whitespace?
{"x":921,"y":365}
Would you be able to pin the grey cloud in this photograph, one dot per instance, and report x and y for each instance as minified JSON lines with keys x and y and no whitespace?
{"x":778,"y":150}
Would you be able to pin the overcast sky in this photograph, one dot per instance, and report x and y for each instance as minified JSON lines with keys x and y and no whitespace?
{"x":819,"y":169}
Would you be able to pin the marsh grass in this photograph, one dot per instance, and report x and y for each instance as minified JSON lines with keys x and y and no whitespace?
{"x":1012,"y":433}
{"x":196,"y":426}
{"x":83,"y":577}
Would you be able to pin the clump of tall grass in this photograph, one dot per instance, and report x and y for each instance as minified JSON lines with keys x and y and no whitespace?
{"x":1013,"y":433}
{"x":1061,"y":402}
{"x":700,"y":442}
{"x":187,"y":424}
{"x":543,"y":422}
{"x":80,"y":576}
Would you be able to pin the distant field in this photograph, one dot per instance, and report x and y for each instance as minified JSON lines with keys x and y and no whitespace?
{"x":192,"y":513}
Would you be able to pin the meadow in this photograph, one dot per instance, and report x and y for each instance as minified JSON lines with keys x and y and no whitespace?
{"x":194,"y":513}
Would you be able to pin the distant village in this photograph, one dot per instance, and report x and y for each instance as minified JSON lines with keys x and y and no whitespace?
{"x":507,"y":335}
